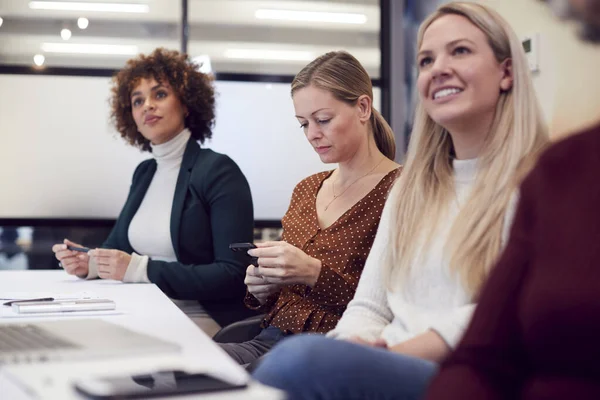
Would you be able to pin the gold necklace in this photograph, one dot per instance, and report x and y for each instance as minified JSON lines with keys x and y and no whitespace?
{"x":350,"y":185}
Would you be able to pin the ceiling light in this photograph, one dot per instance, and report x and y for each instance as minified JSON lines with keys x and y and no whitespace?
{"x":81,"y":6}
{"x":39,"y":59}
{"x":1,"y":21}
{"x":311,"y":16}
{"x":83,"y":23}
{"x":75,"y":48}
{"x":65,"y":34}
{"x":257,"y":54}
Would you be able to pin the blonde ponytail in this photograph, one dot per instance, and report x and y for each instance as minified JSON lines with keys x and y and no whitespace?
{"x":383,"y":134}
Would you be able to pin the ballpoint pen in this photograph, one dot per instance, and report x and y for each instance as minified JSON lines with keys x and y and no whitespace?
{"x":9,"y":303}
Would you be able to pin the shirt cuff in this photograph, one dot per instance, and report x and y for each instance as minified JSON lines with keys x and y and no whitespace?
{"x":137,"y":270}
{"x":92,"y":269}
{"x":252,"y":302}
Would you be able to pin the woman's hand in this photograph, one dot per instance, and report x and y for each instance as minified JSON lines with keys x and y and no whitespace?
{"x":376,"y":343}
{"x":73,"y":262}
{"x":284,"y":264}
{"x":112,"y":264}
{"x":257,"y":286}
{"x":428,"y":346}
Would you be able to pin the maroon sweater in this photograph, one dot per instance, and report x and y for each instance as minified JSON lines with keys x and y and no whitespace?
{"x":536,"y":332}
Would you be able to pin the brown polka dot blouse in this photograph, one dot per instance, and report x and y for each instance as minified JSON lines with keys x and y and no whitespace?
{"x":342,"y":248}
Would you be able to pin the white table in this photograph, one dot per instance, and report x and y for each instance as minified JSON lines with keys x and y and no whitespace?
{"x":143,"y":308}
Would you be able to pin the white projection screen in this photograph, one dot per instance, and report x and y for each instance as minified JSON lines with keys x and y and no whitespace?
{"x":61,"y":158}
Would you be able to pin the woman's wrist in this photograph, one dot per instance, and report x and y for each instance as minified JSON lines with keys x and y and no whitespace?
{"x":315,"y":268}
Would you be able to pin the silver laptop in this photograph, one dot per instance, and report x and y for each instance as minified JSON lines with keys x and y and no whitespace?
{"x":74,"y":340}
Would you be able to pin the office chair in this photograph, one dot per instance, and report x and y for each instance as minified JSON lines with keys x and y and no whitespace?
{"x":241,"y":331}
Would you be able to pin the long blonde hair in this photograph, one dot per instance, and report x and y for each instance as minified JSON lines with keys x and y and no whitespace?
{"x":426,"y":186}
{"x":343,"y":76}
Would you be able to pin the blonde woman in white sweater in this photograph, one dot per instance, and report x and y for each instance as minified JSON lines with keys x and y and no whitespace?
{"x":478,"y":130}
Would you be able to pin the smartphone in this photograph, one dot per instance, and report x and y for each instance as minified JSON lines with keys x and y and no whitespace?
{"x":244,"y":247}
{"x":162,"y":383}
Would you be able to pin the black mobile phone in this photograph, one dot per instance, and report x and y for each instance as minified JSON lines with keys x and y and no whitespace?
{"x":244,"y":247}
{"x":162,"y":383}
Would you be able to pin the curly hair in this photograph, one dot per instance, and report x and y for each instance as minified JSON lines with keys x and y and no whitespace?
{"x":193,"y":88}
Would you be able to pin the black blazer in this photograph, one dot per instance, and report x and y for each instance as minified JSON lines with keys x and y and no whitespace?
{"x":212,"y":208}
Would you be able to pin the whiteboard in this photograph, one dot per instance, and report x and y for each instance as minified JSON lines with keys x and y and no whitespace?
{"x":61,"y":158}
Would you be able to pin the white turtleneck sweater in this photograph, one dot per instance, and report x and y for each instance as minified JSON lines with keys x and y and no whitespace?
{"x":431,"y":298}
{"x":150,"y":229}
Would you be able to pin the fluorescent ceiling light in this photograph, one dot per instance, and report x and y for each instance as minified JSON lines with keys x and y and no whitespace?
{"x":311,"y":16}
{"x":75,"y":48}
{"x":83,"y":23}
{"x":65,"y":34}
{"x":258,"y":54}
{"x":81,"y":6}
{"x":39,"y":59}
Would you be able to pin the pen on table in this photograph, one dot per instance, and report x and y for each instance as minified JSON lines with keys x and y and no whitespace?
{"x":80,"y":249}
{"x":9,"y":303}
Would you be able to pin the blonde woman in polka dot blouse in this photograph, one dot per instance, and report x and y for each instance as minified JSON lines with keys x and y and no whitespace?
{"x":304,"y":282}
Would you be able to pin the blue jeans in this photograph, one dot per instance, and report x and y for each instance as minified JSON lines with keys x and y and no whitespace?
{"x":315,"y":367}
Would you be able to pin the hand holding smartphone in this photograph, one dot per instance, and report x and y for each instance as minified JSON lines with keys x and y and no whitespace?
{"x":238,"y":247}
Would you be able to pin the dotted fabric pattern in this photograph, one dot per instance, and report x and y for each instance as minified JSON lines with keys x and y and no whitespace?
{"x":342,"y":248}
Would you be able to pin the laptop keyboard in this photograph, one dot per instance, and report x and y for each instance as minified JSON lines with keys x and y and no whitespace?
{"x":14,"y":338}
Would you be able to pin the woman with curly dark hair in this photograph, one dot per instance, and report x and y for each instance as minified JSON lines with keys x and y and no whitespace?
{"x":186,"y":204}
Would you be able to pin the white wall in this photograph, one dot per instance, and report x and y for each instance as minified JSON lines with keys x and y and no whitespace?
{"x":256,"y":127}
{"x":567,"y":83}
{"x":61,"y":158}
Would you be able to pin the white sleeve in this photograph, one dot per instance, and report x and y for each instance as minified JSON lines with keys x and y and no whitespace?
{"x":368,"y":313}
{"x":92,"y":269}
{"x":453,"y":325}
{"x":137,"y":270}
